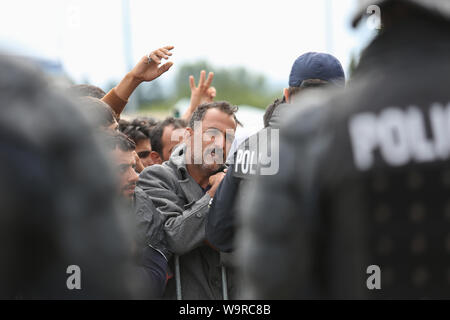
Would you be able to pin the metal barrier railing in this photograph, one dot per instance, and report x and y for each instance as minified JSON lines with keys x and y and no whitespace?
{"x":178,"y":280}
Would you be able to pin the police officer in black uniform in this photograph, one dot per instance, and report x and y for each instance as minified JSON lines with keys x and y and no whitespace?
{"x":257,"y":154}
{"x":360,"y":206}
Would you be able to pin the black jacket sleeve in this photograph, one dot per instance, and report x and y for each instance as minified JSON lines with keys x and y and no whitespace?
{"x":154,"y":269}
{"x":220,"y":225}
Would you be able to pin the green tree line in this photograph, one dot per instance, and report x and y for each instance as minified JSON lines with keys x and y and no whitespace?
{"x":237,"y":85}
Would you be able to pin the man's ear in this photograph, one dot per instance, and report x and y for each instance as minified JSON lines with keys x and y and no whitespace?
{"x":188,"y":133}
{"x":156,"y":158}
{"x":286,"y":95}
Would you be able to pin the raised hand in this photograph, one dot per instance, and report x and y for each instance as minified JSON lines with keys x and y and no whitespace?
{"x":203,"y":93}
{"x":148,"y":68}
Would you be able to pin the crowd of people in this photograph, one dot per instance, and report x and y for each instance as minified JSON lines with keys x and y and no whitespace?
{"x":344,"y":175}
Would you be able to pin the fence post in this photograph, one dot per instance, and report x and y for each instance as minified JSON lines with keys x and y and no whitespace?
{"x":178,"y":277}
{"x":224,"y":283}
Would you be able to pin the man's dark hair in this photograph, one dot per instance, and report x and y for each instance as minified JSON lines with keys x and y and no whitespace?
{"x":309,"y":83}
{"x":269,"y":111}
{"x":86,"y":90}
{"x":157,"y":132}
{"x":148,"y":121}
{"x":115,"y":139}
{"x":293,"y":91}
{"x":136,"y":130}
{"x":123,"y":124}
{"x":223,"y":106}
{"x":96,"y":111}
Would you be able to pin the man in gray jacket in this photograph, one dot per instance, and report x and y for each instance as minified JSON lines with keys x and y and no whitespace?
{"x":182,"y":188}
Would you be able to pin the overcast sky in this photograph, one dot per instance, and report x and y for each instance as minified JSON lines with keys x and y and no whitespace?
{"x":87,"y":37}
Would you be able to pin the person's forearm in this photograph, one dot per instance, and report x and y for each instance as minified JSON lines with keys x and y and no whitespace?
{"x":127,"y":86}
{"x":187,"y":115}
{"x":117,"y":97}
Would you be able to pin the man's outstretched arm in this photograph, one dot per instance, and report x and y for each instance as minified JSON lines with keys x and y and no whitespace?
{"x":147,"y":69}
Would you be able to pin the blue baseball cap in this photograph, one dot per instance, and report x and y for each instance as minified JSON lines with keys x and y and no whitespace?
{"x":314,"y":65}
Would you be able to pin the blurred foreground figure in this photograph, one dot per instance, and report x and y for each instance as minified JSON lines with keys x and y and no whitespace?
{"x":86,"y":90}
{"x":360,"y":206}
{"x":60,"y":236}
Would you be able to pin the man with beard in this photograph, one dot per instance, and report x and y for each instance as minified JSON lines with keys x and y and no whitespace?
{"x":121,"y":148}
{"x":181,"y":190}
{"x":150,"y":249}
